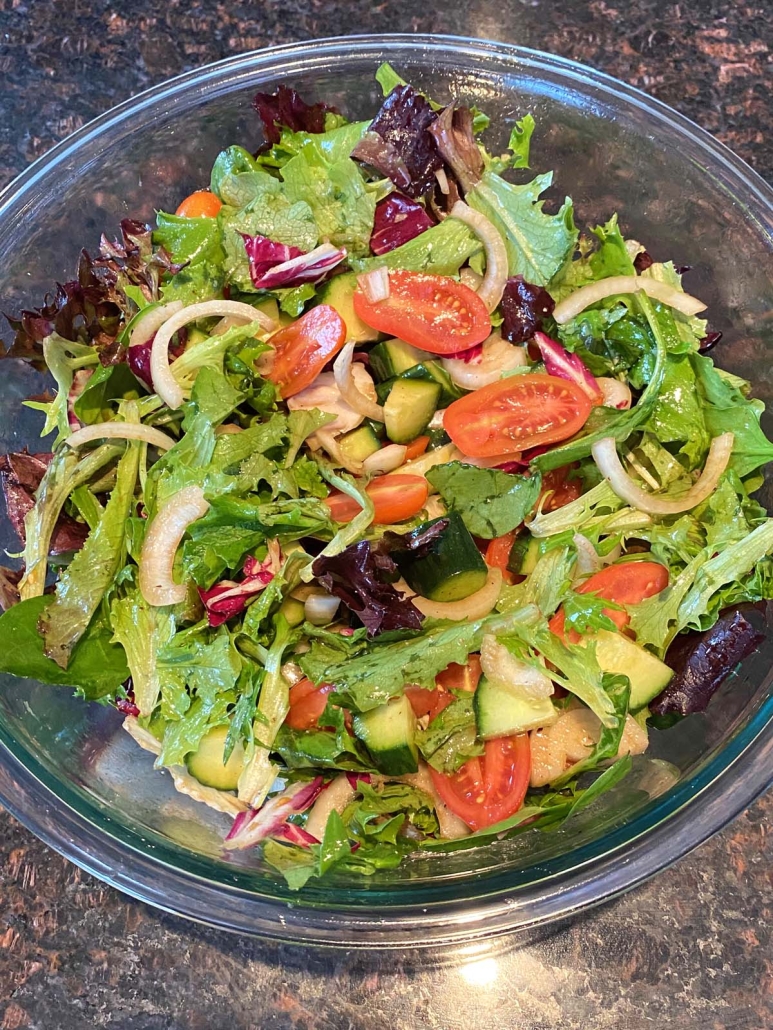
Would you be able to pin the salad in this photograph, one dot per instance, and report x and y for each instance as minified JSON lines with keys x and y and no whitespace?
{"x":392,"y":512}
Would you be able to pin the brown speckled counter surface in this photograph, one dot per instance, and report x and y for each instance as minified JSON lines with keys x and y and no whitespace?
{"x":693,"y":948}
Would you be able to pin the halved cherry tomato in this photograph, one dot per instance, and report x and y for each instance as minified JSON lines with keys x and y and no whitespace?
{"x":201,"y":204}
{"x":455,"y":677}
{"x":416,"y":447}
{"x":433,"y":312}
{"x":498,"y":554}
{"x":559,"y":489}
{"x":515,"y":414}
{"x":488,"y":789}
{"x":628,"y":583}
{"x":307,"y":703}
{"x":303,"y":348}
{"x":395,"y":498}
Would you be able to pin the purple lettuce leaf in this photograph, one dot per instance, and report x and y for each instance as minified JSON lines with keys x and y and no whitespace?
{"x":397,"y":220}
{"x":523,"y":307}
{"x":274,"y":265}
{"x":363,"y":578}
{"x":398,"y":143}
{"x":455,"y":140}
{"x":20,"y":476}
{"x":286,"y":108}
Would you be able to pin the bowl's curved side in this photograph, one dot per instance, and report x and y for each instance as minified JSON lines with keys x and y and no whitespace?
{"x":668,"y":177}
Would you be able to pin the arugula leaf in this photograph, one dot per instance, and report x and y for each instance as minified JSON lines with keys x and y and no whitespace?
{"x":726,"y":409}
{"x":371,"y":679}
{"x":142,"y":631}
{"x":97,"y":666}
{"x":330,"y":748}
{"x":214,"y":396}
{"x":210,"y":550}
{"x":537,"y":244}
{"x":87,"y":578}
{"x":490,"y":502}
{"x":451,"y":738}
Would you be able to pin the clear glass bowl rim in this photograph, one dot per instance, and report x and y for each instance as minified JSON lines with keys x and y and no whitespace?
{"x":664,"y":831}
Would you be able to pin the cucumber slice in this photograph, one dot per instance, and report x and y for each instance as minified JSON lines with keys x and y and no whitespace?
{"x":207,"y":763}
{"x":359,"y":444}
{"x":409,"y":408}
{"x":392,"y":358}
{"x":500,"y":711}
{"x":434,"y":372}
{"x":389,"y":734}
{"x":617,"y":654}
{"x":523,"y":555}
{"x":338,"y":293}
{"x":452,"y":569}
{"x":293,"y":611}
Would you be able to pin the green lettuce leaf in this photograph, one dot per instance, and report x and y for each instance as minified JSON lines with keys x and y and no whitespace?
{"x":490,"y":502}
{"x":678,"y":415}
{"x":97,"y":666}
{"x":441,"y":250}
{"x":142,"y":630}
{"x":451,"y":738}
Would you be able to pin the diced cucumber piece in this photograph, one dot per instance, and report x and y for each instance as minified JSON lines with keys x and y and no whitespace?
{"x":359,"y":444}
{"x":524,"y":555}
{"x":338,"y":293}
{"x":437,"y":438}
{"x":293,"y":611}
{"x":619,"y":655}
{"x":389,"y":734}
{"x":433,"y":370}
{"x":392,"y":358}
{"x":501,"y":711}
{"x":207,"y":763}
{"x":409,"y":408}
{"x":453,"y":567}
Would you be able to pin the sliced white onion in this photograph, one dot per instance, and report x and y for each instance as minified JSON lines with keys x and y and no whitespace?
{"x":375,"y":284}
{"x":333,"y":798}
{"x":121,"y":431}
{"x":162,"y":539}
{"x":614,"y":393}
{"x":451,"y":826}
{"x":493,"y":285}
{"x":473,"y":607}
{"x":151,"y":321}
{"x":588,"y":560}
{"x":609,"y":464}
{"x":385,"y":459}
{"x":220,"y":800}
{"x":497,"y":356}
{"x":228,"y":429}
{"x":442,"y":181}
{"x":292,"y":672}
{"x":420,"y":466}
{"x":581,"y":299}
{"x":143,"y":737}
{"x":501,"y":667}
{"x":325,"y":395}
{"x":471,"y":278}
{"x":436,"y":422}
{"x":344,"y":379}
{"x":325,"y":440}
{"x":320,"y":608}
{"x":164,"y":383}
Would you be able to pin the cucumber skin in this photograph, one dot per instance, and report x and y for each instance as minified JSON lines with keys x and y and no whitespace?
{"x":392,"y":746}
{"x":452,"y":554}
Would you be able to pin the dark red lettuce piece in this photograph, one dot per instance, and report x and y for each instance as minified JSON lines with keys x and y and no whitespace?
{"x":287,"y":109}
{"x":456,"y":144}
{"x":9,"y":587}
{"x":642,"y":261}
{"x":20,"y":476}
{"x":363,"y":578}
{"x":523,"y":307}
{"x":703,"y":661}
{"x":397,"y":220}
{"x":398,"y":143}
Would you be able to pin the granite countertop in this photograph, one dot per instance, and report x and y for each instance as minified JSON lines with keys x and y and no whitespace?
{"x":691,"y":949}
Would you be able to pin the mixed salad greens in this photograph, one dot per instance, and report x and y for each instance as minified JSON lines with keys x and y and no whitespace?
{"x":390,"y":511}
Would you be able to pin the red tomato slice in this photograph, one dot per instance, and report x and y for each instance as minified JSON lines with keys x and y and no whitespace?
{"x":628,"y":583}
{"x":488,"y":789}
{"x":307,"y":703}
{"x":433,"y":312}
{"x":455,"y":677}
{"x":515,"y":414}
{"x":461,"y":677}
{"x":416,"y":447}
{"x":560,"y":489}
{"x":201,"y":204}
{"x":304,"y":348}
{"x":395,"y":498}
{"x":498,"y":554}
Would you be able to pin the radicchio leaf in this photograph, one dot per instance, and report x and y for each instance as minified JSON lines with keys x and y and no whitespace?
{"x":455,"y":140}
{"x":398,"y":143}
{"x":523,"y":308}
{"x":20,"y":475}
{"x":287,"y":109}
{"x":703,"y":661}
{"x":563,"y":364}
{"x":362,"y":578}
{"x":397,"y":220}
{"x":255,"y":825}
{"x":226,"y":599}
{"x":138,"y":356}
{"x":273,"y":265}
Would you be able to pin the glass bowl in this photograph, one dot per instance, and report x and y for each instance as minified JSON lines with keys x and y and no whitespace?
{"x":70,"y":774}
